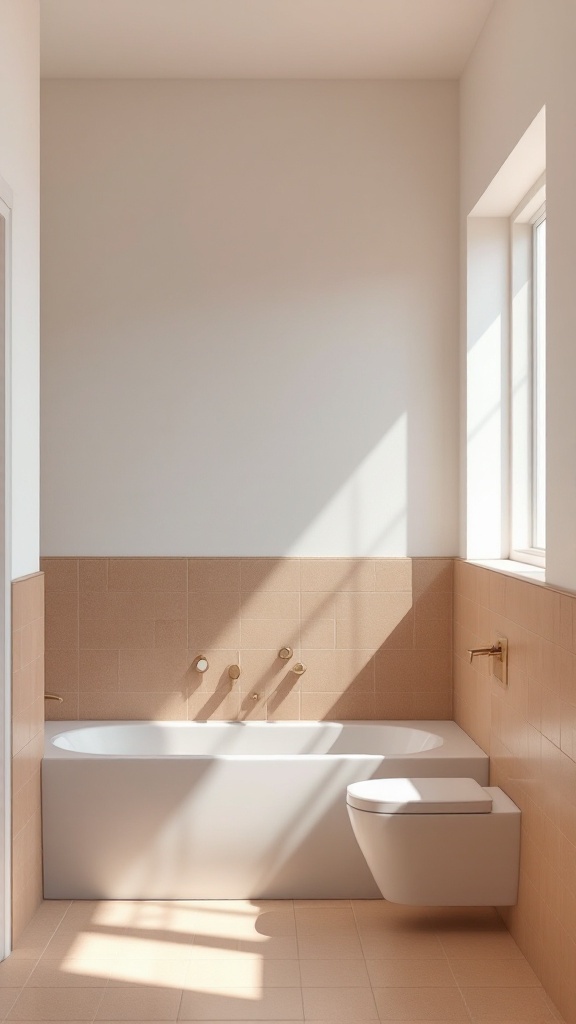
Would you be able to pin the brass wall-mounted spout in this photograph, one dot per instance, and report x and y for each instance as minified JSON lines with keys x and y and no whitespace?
{"x":499,"y":652}
{"x":492,"y":652}
{"x":53,"y":696}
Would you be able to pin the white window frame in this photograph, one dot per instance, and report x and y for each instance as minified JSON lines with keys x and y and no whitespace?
{"x":5,"y":584}
{"x":530,"y":213}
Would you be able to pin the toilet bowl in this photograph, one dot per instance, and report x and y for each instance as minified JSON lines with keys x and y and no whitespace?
{"x":438,"y":842}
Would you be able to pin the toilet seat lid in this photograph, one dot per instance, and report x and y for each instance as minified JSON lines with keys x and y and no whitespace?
{"x":420,"y":796}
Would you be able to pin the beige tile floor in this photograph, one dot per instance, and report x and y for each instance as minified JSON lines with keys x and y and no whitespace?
{"x":290,"y":960}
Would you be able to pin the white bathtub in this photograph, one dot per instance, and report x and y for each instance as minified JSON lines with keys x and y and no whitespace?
{"x":227,"y":810}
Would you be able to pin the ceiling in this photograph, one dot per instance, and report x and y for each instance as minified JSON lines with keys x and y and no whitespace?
{"x":259,"y":38}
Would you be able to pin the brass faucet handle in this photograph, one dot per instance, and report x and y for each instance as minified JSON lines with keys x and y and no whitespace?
{"x":200,"y":663}
{"x":299,"y":669}
{"x":234,"y":672}
{"x":285,"y":653}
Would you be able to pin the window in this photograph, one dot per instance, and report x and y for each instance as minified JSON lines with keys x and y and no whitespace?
{"x":539,"y":384}
{"x":528,"y":378}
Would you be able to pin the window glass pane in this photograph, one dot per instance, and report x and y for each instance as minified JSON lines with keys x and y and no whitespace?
{"x":539,"y":395}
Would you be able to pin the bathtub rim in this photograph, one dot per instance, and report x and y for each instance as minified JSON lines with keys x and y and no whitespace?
{"x":456,"y":743}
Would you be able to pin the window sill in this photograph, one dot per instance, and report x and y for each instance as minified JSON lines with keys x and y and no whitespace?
{"x":521,"y":570}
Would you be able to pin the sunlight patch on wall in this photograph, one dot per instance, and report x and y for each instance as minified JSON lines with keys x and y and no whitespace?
{"x":372,"y":518}
{"x":486,"y":388}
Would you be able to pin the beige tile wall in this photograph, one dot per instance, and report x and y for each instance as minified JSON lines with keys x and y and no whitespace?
{"x":27,"y":747}
{"x":529,"y":731}
{"x":375,"y":635}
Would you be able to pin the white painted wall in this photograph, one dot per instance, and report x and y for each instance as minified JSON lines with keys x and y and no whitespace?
{"x":19,"y":169}
{"x":249,"y":318}
{"x":523,"y":61}
{"x":487,"y":384}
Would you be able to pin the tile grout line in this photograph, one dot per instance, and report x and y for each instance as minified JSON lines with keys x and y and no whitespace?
{"x":298,"y":955}
{"x":177,"y":1018}
{"x":364,"y":958}
{"x":458,"y":987}
{"x":104,"y":989}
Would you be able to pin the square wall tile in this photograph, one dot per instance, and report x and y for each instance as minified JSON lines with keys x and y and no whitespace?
{"x":211,"y":575}
{"x":369,"y":620}
{"x":338,"y":575}
{"x":147,"y":574}
{"x":61,"y":574}
{"x":393,"y":574}
{"x":432,"y":574}
{"x":92,"y":573}
{"x":263,"y":574}
{"x":62,"y":621}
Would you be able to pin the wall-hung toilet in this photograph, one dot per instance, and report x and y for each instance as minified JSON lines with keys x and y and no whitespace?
{"x":438,"y":842}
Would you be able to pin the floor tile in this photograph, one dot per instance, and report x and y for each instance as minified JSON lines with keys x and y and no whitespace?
{"x":162,"y":973}
{"x":547,"y":1017}
{"x":56,"y":1004}
{"x":317,"y":921}
{"x":119,"y":943}
{"x":323,"y":904}
{"x":210,"y":949}
{"x":56,"y":974}
{"x":329,"y":947}
{"x":135,"y":913}
{"x":342,"y":1004}
{"x":139,"y":1003}
{"x":436,"y":921}
{"x":243,"y":972}
{"x":401,"y":946}
{"x":39,"y":932}
{"x":14,"y":972}
{"x":272,"y":948}
{"x":507,"y":973}
{"x":420,"y":1004}
{"x":275,"y":923}
{"x":250,"y":1004}
{"x":230,"y":919}
{"x":8,"y":997}
{"x":471,"y":945}
{"x":410,"y":973}
{"x":490,"y":1004}
{"x":382,"y":910}
{"x":334,"y":974}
